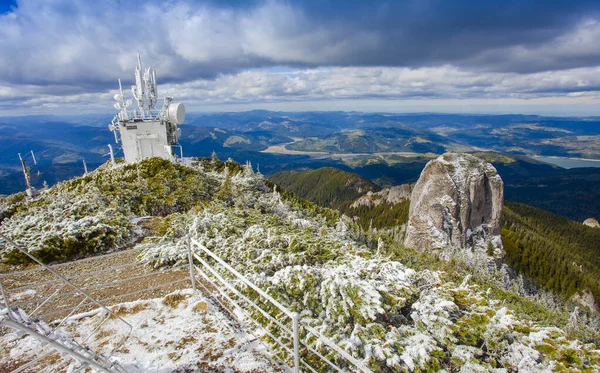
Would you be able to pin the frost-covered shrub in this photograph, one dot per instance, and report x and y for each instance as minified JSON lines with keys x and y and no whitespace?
{"x":389,"y":316}
{"x":93,"y":213}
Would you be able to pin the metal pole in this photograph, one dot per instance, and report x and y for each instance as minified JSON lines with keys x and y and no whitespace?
{"x":5,"y":297}
{"x":295,"y":320}
{"x":74,"y":354}
{"x":191,"y":260}
{"x":112,"y":155}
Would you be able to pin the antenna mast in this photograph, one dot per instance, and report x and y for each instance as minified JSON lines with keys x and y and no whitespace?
{"x":112,"y":155}
{"x":31,"y":192}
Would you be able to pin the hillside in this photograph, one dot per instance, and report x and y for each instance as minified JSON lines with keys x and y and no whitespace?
{"x":94,"y":213}
{"x":373,"y":140}
{"x":559,"y":254}
{"x":327,"y":186}
{"x":531,"y":235}
{"x":390,"y":307}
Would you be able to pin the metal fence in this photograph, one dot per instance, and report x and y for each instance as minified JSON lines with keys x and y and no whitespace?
{"x":42,"y":301}
{"x":293,"y":343}
{"x":49,"y":296}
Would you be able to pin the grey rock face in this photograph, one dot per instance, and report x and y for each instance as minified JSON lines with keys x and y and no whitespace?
{"x":591,"y":222}
{"x":586,"y":299}
{"x":392,"y":196}
{"x":456,"y":205}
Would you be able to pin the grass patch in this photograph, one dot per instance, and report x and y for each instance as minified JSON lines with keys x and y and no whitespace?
{"x":173,"y":300}
{"x":121,"y":310}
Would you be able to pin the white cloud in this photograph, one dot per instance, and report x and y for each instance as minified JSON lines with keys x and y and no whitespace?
{"x":68,"y":55}
{"x":361,"y":85}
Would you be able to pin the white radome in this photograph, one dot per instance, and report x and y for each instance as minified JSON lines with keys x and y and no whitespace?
{"x":176,"y":113}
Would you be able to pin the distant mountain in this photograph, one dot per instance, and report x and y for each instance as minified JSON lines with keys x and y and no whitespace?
{"x":244,"y":135}
{"x":373,"y":140}
{"x":566,"y":192}
{"x":14,"y":182}
{"x":199,"y":140}
{"x":328,"y":187}
{"x":53,"y":143}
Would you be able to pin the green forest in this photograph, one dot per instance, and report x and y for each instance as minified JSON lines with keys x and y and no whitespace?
{"x":556,"y":253}
{"x":327,"y":186}
{"x":384,"y":215}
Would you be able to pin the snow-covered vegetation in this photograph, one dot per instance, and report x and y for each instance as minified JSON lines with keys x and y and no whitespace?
{"x":366,"y":293}
{"x":349,"y":287}
{"x":93,"y":213}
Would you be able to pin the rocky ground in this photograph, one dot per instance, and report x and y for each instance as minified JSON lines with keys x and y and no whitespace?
{"x":181,"y":332}
{"x":173,"y":330}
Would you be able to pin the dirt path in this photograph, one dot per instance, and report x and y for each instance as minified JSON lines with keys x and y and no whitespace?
{"x":110,"y":279}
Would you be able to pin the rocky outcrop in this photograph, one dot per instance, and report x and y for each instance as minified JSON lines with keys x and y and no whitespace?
{"x":591,"y":222}
{"x":457,"y":205}
{"x":392,"y":196}
{"x":586,"y":299}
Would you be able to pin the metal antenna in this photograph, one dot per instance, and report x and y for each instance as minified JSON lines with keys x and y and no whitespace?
{"x":31,"y":192}
{"x":85,"y":171}
{"x":33,"y":156}
{"x":143,"y":132}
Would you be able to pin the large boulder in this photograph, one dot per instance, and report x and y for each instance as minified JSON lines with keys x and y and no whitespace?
{"x":456,"y":207}
{"x":591,"y":222}
{"x":586,"y":299}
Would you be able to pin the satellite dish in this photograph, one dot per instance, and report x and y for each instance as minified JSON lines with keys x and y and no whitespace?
{"x":117,"y":106}
{"x":176,"y":113}
{"x":118,"y":97}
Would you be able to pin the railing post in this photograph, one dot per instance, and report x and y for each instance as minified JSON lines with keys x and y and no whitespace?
{"x":4,"y":297}
{"x":191,"y":260}
{"x":295,"y":320}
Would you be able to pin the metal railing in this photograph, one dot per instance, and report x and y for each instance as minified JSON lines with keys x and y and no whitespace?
{"x":295,"y":344}
{"x":42,"y":301}
{"x":58,"y":297}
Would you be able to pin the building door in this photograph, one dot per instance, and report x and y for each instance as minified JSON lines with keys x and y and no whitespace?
{"x":146,"y":148}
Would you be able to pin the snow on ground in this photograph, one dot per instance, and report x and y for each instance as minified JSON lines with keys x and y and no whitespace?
{"x":180,"y":332}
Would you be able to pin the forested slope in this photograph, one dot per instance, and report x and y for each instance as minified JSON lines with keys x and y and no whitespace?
{"x":327,"y":186}
{"x":555,"y":252}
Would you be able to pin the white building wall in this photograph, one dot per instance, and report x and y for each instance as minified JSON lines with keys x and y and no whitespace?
{"x":144,"y":139}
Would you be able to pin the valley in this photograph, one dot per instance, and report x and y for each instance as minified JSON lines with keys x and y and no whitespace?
{"x":342,"y":205}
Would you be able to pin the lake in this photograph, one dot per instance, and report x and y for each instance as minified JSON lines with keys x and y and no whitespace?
{"x":565,"y":162}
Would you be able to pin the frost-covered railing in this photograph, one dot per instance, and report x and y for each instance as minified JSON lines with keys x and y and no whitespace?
{"x":293,"y":343}
{"x":43,"y":300}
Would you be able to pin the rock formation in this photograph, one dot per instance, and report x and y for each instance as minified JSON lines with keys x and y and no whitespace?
{"x":586,"y":299}
{"x":591,"y":222}
{"x":457,"y":205}
{"x":392,"y":196}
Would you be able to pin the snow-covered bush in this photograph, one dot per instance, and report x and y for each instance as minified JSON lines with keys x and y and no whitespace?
{"x":391,"y":317}
{"x":314,"y":261}
{"x":94,"y":212}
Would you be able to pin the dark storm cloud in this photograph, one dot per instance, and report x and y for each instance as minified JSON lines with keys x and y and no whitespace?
{"x":53,"y":50}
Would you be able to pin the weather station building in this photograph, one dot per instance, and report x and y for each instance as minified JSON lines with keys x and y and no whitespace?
{"x":144,"y":132}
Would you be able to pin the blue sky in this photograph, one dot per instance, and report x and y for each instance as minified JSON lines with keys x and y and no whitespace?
{"x":526,"y":56}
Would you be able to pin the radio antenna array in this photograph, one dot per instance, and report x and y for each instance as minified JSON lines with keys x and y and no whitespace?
{"x":144,"y":132}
